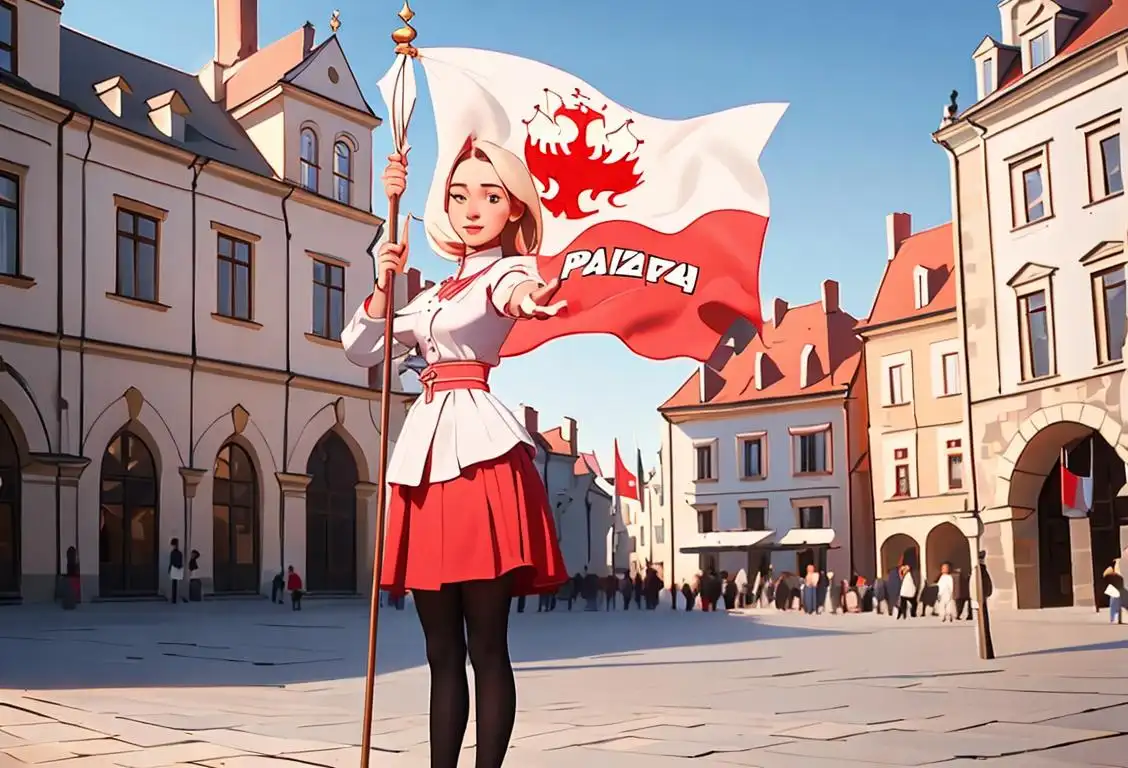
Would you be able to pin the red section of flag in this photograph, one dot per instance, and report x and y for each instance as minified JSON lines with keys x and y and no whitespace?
{"x":1070,"y":488}
{"x":656,"y":318}
{"x":626,"y":484}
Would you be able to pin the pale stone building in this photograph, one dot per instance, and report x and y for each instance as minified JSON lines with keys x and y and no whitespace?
{"x":917,"y":428}
{"x":757,"y":458}
{"x":178,"y":255}
{"x":581,"y":504}
{"x":1040,"y":224}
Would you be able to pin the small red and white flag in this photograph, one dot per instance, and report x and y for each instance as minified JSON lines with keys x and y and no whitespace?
{"x":626,"y":484}
{"x":654,"y":227}
{"x":1076,"y":490}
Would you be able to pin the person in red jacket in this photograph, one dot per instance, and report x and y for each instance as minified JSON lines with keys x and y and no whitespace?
{"x":294,"y":584}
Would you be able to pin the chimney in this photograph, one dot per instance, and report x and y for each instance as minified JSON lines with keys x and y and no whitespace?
{"x":236,"y":30}
{"x":167,"y":111}
{"x":779,"y":309}
{"x":898,"y":228}
{"x":309,"y":35}
{"x":568,"y":431}
{"x":112,"y":91}
{"x":414,"y":282}
{"x":830,"y":296}
{"x":530,"y":418}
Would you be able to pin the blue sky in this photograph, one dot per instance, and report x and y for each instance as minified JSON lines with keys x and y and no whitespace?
{"x":866,"y":83}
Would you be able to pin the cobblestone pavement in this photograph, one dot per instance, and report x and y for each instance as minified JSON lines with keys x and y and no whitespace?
{"x":251,"y":685}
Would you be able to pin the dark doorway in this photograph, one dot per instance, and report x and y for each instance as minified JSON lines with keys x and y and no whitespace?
{"x":235,"y":528}
{"x":331,"y":517}
{"x":128,"y":528}
{"x":9,"y":514}
{"x":1055,"y":561}
{"x":1104,"y":525}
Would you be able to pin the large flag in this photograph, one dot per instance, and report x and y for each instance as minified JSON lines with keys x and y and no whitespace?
{"x":626,"y":484}
{"x":655,"y":227}
{"x":1076,"y":490}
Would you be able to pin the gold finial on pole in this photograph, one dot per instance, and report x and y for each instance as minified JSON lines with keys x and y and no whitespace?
{"x":405,"y":35}
{"x":335,"y":21}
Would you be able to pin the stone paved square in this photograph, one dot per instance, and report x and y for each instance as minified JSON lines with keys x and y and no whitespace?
{"x":247,"y":684}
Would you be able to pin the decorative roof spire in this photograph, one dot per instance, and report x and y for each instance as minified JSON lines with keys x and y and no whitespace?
{"x":335,"y":22}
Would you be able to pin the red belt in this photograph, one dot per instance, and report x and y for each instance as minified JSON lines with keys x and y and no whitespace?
{"x":455,"y":374}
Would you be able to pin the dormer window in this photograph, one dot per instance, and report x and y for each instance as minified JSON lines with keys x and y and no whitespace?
{"x":112,"y":92}
{"x":168,"y":112}
{"x":7,"y":37}
{"x":987,"y":78}
{"x":807,"y":362}
{"x":921,"y":295}
{"x":759,"y":373}
{"x":1039,"y":49}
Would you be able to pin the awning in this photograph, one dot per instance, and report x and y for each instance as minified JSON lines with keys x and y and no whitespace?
{"x":759,"y":541}
{"x":727,"y":541}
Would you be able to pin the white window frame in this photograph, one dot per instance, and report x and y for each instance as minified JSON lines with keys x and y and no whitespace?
{"x":797,"y":435}
{"x":1095,"y":136}
{"x":747,"y":504}
{"x":1105,"y":356}
{"x":747,"y":437}
{"x":711,"y":445}
{"x":921,"y":288}
{"x":823,"y":502}
{"x":1034,"y":159}
{"x":890,"y":462}
{"x":905,"y":361}
{"x":1024,"y":342}
{"x":947,"y":451}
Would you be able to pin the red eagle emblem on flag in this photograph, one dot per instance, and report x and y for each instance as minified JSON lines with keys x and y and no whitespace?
{"x":579,"y":162}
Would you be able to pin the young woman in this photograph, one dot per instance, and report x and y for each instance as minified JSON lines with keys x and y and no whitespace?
{"x":469,"y":523}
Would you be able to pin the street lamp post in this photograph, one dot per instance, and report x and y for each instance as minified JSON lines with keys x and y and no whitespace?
{"x":983,"y":621}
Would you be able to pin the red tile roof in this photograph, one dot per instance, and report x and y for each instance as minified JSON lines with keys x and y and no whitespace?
{"x":587,"y":463}
{"x":931,"y":249}
{"x":836,"y":347}
{"x":1107,"y":18}
{"x":266,"y":67}
{"x":554,"y":438}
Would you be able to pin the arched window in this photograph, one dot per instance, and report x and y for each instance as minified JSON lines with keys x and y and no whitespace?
{"x":128,"y":526}
{"x":310,"y":167}
{"x":9,"y":513}
{"x":342,"y":172}
{"x":331,"y":517}
{"x":235,"y":522}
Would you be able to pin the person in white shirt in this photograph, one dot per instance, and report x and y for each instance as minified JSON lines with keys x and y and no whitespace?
{"x":946,"y":590}
{"x":908,"y":593}
{"x":469,"y":523}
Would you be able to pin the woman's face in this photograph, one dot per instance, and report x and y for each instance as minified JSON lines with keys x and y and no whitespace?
{"x":479,"y":205}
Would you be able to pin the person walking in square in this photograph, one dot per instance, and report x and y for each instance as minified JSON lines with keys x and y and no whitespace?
{"x":175,"y":572}
{"x":294,"y":585}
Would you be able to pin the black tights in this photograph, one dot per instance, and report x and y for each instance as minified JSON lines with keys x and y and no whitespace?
{"x":474,"y":616}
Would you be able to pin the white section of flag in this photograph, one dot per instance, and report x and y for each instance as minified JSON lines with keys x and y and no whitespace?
{"x":689,"y":167}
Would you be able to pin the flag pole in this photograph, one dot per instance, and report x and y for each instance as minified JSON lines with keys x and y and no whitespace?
{"x":403,"y":38}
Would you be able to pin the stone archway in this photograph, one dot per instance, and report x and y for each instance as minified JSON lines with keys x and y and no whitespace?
{"x":900,"y":549}
{"x":1057,"y":560}
{"x":947,"y":544}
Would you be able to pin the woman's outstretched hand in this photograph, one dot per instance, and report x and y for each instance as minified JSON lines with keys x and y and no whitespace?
{"x":395,"y":175}
{"x":537,"y":303}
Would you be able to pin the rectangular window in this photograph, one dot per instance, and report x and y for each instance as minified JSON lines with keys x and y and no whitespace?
{"x":704,"y":521}
{"x":896,"y":384}
{"x":704,"y":456}
{"x":7,"y":36}
{"x":137,"y":245}
{"x":642,"y":536}
{"x":1040,"y":50}
{"x":9,"y":224}
{"x":812,"y":517}
{"x":755,"y":517}
{"x":811,"y":453}
{"x":901,"y":473}
{"x":955,"y":465}
{"x":1033,"y":194}
{"x":1036,"y":326}
{"x":660,"y":532}
{"x":233,"y":278}
{"x":950,"y":363}
{"x":1110,"y":165}
{"x":1111,"y":311}
{"x":752,"y":458}
{"x":988,"y":77}
{"x":328,"y":300}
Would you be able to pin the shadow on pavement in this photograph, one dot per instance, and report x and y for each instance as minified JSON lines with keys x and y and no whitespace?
{"x":258,"y":643}
{"x":1112,"y":645}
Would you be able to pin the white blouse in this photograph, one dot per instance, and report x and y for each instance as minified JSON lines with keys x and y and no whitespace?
{"x":462,"y":427}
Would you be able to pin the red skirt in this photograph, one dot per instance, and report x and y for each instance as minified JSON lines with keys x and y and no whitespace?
{"x":491,"y":520}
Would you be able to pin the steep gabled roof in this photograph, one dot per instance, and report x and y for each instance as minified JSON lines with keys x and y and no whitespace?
{"x":1107,"y":18}
{"x":836,"y":347}
{"x":209,"y":131}
{"x":931,"y":249}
